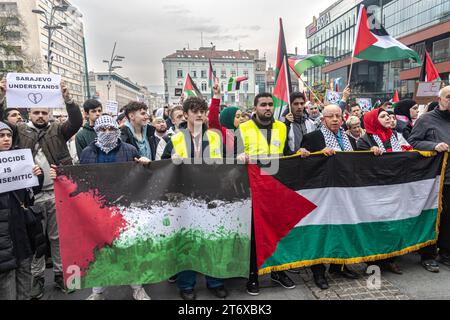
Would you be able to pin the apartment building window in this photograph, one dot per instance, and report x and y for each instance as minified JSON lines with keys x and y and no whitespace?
{"x":204,"y":86}
{"x":246,"y":73}
{"x":441,"y":50}
{"x":223,"y":74}
{"x":233,"y":73}
{"x":194,"y":74}
{"x":203,"y":74}
{"x":179,"y":73}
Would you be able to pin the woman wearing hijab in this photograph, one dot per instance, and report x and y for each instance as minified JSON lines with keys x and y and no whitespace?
{"x":19,"y":241}
{"x":407,"y":112}
{"x":380,"y":138}
{"x":227,"y":122}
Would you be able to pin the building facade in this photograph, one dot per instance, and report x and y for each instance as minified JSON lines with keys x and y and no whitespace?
{"x":418,"y":24}
{"x":225,"y":64}
{"x":122,"y":90}
{"x":68,"y":58}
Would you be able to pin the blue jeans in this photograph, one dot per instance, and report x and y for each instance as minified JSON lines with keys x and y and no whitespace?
{"x":186,"y":281}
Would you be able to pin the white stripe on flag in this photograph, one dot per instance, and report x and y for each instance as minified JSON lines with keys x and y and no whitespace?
{"x":338,"y":206}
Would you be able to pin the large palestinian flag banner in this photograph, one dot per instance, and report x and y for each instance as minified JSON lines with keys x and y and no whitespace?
{"x":348,"y":208}
{"x":129,"y":224}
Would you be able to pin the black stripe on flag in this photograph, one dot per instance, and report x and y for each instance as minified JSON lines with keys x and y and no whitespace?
{"x":356,"y":170}
{"x":126,"y":183}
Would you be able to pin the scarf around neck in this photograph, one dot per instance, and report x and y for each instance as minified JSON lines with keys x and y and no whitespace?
{"x":331,"y":140}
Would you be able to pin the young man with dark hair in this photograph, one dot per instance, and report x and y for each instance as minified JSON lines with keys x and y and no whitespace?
{"x":137,"y":131}
{"x":297,"y":122}
{"x":263,"y":136}
{"x":355,"y":110}
{"x":177,"y":118}
{"x":13,"y":116}
{"x":195,"y":142}
{"x":92,"y":111}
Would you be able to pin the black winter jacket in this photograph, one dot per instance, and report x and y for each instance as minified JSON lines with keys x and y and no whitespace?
{"x":15,"y":240}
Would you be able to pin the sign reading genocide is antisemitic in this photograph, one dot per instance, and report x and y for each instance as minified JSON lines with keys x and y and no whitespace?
{"x":28,"y":90}
{"x":16,"y":169}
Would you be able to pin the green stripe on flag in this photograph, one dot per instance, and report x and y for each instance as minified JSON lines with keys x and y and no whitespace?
{"x":153,"y":261}
{"x":358,"y":241}
{"x":379,"y":54}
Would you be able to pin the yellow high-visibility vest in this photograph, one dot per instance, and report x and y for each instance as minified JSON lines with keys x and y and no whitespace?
{"x":255,"y":143}
{"x":180,"y":145}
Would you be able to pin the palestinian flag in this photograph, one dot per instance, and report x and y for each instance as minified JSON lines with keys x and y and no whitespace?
{"x":428,"y":73}
{"x":234,"y":84}
{"x":395,"y":99}
{"x":376,"y":44}
{"x":190,"y":89}
{"x":129,"y":224}
{"x":281,"y":54}
{"x":327,"y":215}
{"x":281,"y":90}
{"x":299,"y":64}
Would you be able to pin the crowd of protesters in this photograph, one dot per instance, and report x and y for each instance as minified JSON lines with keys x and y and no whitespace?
{"x":195,"y":130}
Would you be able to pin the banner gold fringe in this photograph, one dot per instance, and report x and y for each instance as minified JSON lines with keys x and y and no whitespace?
{"x":309,"y":263}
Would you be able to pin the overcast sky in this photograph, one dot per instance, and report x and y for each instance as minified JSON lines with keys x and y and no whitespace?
{"x":146,"y":31}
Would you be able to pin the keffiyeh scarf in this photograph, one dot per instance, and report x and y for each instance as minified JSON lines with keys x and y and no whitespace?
{"x":332,"y":142}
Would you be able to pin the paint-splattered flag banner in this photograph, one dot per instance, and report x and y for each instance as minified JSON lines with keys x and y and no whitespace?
{"x":129,"y":224}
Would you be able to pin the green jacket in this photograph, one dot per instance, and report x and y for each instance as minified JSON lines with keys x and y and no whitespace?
{"x":84,"y":138}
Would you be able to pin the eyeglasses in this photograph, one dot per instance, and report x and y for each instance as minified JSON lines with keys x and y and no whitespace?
{"x":331,"y":116}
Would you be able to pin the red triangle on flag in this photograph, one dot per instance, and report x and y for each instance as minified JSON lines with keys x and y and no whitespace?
{"x":188,"y":85}
{"x":281,"y":87}
{"x":276,"y":211}
{"x":364,"y":37}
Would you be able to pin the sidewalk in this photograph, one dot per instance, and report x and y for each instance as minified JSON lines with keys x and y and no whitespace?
{"x":415,"y":283}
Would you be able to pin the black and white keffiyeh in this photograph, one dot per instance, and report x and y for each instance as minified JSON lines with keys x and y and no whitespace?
{"x":394,"y":143}
{"x":106,"y":141}
{"x":332,"y":142}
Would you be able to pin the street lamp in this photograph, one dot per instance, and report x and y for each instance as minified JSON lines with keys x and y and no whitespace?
{"x":111,"y":67}
{"x":51,"y":26}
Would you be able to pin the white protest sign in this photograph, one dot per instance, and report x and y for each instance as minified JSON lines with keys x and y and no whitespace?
{"x":29,"y":90}
{"x":16,"y":170}
{"x":112,"y":107}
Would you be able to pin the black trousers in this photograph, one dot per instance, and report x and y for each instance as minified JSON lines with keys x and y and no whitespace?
{"x":443,"y":243}
{"x":253,"y":275}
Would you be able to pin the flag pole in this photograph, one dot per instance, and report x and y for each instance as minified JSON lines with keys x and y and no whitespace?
{"x":310,"y":89}
{"x":354,"y":44}
{"x":286,"y":70}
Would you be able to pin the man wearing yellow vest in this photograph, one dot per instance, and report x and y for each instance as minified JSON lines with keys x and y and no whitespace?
{"x":199,"y":144}
{"x":261,"y":137}
{"x":195,"y":142}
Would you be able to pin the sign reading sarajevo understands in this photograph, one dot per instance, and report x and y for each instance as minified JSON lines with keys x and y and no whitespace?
{"x":28,"y":90}
{"x":16,"y":170}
